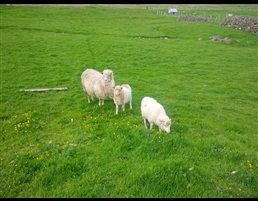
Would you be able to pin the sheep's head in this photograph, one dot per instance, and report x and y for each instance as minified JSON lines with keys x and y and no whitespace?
{"x":165,"y":124}
{"x":107,"y":75}
{"x":117,"y":90}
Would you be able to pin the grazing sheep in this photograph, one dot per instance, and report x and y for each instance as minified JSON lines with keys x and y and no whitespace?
{"x":154,"y":113}
{"x":122,"y":95}
{"x":97,"y":84}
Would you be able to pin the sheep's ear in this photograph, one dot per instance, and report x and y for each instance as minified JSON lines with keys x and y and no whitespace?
{"x":161,"y":120}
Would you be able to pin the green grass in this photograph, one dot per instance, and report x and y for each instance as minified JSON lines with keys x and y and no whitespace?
{"x":56,"y":144}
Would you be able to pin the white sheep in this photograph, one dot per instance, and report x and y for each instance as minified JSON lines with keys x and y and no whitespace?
{"x":98,"y":84}
{"x":154,"y":113}
{"x":122,"y":95}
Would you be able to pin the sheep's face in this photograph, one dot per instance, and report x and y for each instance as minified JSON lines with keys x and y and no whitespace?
{"x":107,"y":75}
{"x":165,"y":124}
{"x":117,"y":90}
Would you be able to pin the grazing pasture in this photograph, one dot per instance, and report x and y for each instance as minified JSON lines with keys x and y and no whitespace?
{"x":56,"y":144}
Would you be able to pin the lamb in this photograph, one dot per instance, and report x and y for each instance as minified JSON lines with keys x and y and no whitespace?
{"x":154,"y":113}
{"x":98,"y":84}
{"x":122,"y":95}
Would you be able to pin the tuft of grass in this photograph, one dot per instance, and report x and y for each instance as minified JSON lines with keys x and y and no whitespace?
{"x":56,"y":144}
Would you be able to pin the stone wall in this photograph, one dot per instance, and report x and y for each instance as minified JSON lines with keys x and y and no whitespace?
{"x":195,"y":18}
{"x":245,"y":23}
{"x":242,"y":23}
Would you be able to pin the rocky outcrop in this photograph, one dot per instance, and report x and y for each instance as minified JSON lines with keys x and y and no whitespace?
{"x":220,"y":39}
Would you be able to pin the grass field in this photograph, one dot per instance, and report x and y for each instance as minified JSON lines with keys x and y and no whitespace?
{"x":56,"y":144}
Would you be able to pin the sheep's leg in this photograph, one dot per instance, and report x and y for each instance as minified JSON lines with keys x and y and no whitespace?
{"x":101,"y":102}
{"x":131,"y":107}
{"x":116,"y":109}
{"x":88,"y":98}
{"x":145,"y":122}
{"x":151,"y":124}
{"x":123,"y":107}
{"x":92,"y":98}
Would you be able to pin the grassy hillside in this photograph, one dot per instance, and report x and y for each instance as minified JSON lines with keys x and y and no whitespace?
{"x":56,"y":144}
